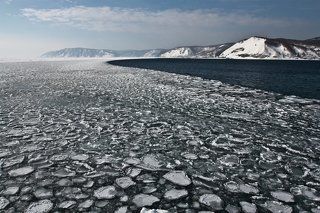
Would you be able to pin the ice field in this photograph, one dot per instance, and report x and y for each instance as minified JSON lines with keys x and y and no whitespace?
{"x":89,"y":136}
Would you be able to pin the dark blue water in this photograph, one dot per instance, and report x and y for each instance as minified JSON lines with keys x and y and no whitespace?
{"x":300,"y":78}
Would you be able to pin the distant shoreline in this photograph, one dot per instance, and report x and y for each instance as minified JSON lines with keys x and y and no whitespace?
{"x":144,"y":58}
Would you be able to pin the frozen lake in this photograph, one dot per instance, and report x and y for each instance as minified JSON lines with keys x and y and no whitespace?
{"x":90,"y":136}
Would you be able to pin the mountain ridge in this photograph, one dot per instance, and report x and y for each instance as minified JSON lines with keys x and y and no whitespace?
{"x":255,"y":47}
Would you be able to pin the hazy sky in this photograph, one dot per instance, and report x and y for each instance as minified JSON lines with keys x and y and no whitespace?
{"x":29,"y":28}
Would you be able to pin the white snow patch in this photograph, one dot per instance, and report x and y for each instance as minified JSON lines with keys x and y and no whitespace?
{"x":178,"y":52}
{"x":252,"y":46}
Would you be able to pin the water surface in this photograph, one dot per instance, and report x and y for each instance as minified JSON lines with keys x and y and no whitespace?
{"x":300,"y":78}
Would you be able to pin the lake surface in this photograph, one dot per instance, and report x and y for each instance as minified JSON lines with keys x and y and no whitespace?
{"x":87,"y":136}
{"x":300,"y":78}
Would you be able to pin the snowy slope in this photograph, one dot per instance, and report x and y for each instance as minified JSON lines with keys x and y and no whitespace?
{"x":178,"y":52}
{"x":264,"y":48}
{"x":153,"y":53}
{"x":195,"y":51}
{"x":212,"y":51}
{"x":251,"y":47}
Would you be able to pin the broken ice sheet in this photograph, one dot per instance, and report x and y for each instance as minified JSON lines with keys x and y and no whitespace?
{"x":96,"y":137}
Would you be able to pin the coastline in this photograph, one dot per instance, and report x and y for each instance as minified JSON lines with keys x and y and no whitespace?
{"x":4,"y":60}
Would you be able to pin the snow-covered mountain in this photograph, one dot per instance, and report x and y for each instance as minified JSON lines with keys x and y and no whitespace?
{"x":265,"y":48}
{"x":250,"y":48}
{"x":100,"y":53}
{"x":79,"y":53}
{"x":153,"y":53}
{"x":178,"y":52}
{"x":195,"y":51}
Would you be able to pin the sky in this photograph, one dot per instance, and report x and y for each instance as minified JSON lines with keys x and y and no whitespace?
{"x":28,"y":28}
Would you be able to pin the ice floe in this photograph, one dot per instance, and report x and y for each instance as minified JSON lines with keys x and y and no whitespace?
{"x":178,"y":177}
{"x":3,"y":203}
{"x":142,"y":200}
{"x":211,"y":200}
{"x":86,"y":204}
{"x":21,"y":171}
{"x":175,"y":194}
{"x":41,"y":206}
{"x":283,"y":196}
{"x":64,"y":173}
{"x":67,"y":204}
{"x":107,"y":192}
{"x":248,"y":207}
{"x":145,"y":210}
{"x":276,"y":207}
{"x":80,"y":157}
{"x":125,"y":182}
{"x":11,"y":190}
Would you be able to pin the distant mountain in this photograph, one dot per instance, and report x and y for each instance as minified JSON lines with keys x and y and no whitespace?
{"x":100,"y":53}
{"x":314,"y":39}
{"x":195,"y":51}
{"x":250,"y":48}
{"x":78,"y":52}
